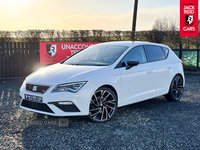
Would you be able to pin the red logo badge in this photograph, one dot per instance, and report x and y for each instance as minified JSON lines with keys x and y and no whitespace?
{"x":189,"y":18}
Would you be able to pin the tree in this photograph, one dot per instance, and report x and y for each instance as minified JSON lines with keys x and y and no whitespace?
{"x":166,"y":24}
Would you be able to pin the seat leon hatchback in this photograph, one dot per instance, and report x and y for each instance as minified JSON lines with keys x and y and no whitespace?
{"x":97,"y":80}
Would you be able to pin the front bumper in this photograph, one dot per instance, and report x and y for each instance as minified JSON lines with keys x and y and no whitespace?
{"x":77,"y":104}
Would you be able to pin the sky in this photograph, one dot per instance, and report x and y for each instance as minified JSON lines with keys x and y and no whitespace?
{"x":83,"y":14}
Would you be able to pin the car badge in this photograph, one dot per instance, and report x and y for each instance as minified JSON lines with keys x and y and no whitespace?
{"x":34,"y":88}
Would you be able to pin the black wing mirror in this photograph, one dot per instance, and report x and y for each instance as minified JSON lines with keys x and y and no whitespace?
{"x":131,"y":63}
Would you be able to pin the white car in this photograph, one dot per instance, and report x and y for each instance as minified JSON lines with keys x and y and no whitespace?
{"x":98,"y":80}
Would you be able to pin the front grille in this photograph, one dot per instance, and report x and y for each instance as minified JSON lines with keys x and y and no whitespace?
{"x":36,"y":88}
{"x":36,"y":106}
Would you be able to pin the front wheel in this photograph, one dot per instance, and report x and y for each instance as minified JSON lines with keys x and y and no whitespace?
{"x":176,"y":89}
{"x":103,"y":105}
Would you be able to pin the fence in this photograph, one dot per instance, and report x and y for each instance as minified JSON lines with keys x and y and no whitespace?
{"x":190,"y":57}
{"x":18,"y":59}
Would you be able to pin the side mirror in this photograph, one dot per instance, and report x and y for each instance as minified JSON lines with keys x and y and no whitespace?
{"x":131,"y":63}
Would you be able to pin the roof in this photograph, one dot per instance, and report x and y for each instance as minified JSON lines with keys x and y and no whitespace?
{"x":131,"y":43}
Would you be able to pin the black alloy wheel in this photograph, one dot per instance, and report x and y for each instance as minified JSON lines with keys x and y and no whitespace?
{"x":176,"y":89}
{"x":103,"y":105}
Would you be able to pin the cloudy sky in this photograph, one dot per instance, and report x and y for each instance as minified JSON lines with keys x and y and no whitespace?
{"x":83,"y":14}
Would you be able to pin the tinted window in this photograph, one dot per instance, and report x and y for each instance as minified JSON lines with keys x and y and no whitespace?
{"x":166,"y":50}
{"x":155,"y":53}
{"x":136,"y":54}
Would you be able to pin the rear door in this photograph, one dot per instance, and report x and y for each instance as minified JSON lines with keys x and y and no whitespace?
{"x":162,"y":69}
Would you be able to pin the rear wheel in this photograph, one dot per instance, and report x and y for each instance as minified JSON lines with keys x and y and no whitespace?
{"x":103,"y":105}
{"x":176,"y":89}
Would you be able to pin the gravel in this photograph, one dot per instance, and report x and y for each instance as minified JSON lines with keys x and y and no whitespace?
{"x":153,"y":124}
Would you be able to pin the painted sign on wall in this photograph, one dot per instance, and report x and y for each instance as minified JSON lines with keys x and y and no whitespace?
{"x":54,"y":52}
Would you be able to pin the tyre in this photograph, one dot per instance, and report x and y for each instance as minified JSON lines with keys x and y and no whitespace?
{"x":176,"y":89}
{"x":103,"y":105}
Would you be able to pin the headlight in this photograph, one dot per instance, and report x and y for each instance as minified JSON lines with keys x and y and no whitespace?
{"x":71,"y":87}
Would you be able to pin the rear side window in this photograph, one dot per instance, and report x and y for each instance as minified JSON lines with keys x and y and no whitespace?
{"x":155,"y":53}
{"x":166,"y":50}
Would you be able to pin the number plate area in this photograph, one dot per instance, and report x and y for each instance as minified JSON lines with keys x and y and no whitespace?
{"x":33,"y":98}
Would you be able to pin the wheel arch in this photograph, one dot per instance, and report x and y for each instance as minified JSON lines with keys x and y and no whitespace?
{"x":182,"y":77}
{"x":110,"y":87}
{"x":179,"y":75}
{"x":173,"y":78}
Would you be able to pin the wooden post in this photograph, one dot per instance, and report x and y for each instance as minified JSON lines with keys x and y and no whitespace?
{"x":19,"y":66}
{"x":12,"y":60}
{"x":134,"y":19}
{"x":180,"y":52}
{"x":7,"y":57}
{"x":4,"y":60}
{"x":26,"y":52}
{"x":16,"y":59}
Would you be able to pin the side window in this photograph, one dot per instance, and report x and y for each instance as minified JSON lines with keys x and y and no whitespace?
{"x":136,"y":54}
{"x":155,"y":53}
{"x":166,"y":50}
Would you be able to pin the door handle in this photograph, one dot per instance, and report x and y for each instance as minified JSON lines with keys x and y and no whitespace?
{"x":169,"y":68}
{"x":149,"y":72}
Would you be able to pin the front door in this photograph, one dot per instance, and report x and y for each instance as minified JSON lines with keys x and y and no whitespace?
{"x":136,"y":82}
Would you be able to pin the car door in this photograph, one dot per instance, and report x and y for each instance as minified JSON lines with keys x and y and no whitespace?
{"x":162,"y":69}
{"x":136,"y":82}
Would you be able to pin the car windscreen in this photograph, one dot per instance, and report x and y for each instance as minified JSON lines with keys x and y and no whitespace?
{"x":96,"y":55}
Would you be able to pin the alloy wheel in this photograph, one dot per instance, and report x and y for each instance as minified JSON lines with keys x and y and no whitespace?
{"x":177,"y":88}
{"x":103,"y":105}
